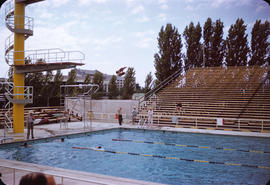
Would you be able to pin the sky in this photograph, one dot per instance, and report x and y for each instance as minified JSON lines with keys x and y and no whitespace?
{"x":117,"y":33}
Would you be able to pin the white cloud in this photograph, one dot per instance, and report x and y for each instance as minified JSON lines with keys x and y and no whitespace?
{"x":57,"y":3}
{"x":163,"y":4}
{"x":143,"y":19}
{"x":162,"y":17}
{"x":137,"y":9}
{"x":144,"y":39}
{"x":103,"y":43}
{"x":261,"y":6}
{"x":230,"y":3}
{"x":88,"y":2}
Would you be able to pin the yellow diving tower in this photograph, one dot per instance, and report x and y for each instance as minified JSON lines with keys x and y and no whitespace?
{"x":28,"y":61}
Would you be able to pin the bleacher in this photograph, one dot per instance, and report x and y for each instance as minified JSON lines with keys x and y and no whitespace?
{"x":238,"y":95}
{"x":46,"y":114}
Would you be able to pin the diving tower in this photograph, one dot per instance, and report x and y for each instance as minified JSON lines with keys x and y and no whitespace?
{"x":28,"y":61}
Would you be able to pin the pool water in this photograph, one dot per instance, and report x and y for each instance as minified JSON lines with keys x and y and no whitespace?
{"x":194,"y":148}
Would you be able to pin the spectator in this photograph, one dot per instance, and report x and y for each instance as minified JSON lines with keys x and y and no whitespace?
{"x":30,"y":125}
{"x":134,"y":114}
{"x":36,"y":178}
{"x":50,"y":180}
{"x":150,"y":116}
{"x":120,"y":118}
{"x":179,"y":106}
{"x":1,"y":182}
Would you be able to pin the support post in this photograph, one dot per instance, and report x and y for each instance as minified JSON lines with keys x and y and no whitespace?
{"x":18,"y":109}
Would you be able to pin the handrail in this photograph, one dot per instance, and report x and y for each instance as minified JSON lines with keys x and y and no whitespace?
{"x":239,"y":120}
{"x":23,"y":22}
{"x":160,"y":86}
{"x":48,"y":56}
{"x":61,"y":176}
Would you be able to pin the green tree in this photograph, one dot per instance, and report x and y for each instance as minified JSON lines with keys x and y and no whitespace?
{"x":37,"y":81}
{"x":87,"y":79}
{"x":113,"y":90}
{"x":213,"y":43}
{"x":208,"y":31}
{"x":72,"y":79}
{"x":47,"y":87}
{"x":169,"y":58}
{"x":148,"y":82}
{"x":217,"y":53}
{"x":237,"y":45}
{"x":98,"y":79}
{"x":194,"y":54}
{"x":57,"y":81}
{"x":129,"y":84}
{"x":260,"y":46}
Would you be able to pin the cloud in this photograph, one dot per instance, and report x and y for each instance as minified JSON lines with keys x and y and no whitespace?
{"x":57,"y":3}
{"x":137,"y":9}
{"x":143,"y":19}
{"x":102,"y":43}
{"x":162,"y":17}
{"x":230,"y":3}
{"x":144,"y":39}
{"x":260,"y":6}
{"x":163,"y":4}
{"x":88,"y":2}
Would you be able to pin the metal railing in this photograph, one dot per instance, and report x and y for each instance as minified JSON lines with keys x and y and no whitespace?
{"x":238,"y":121}
{"x":160,"y":86}
{"x":41,"y":56}
{"x":60,"y":179}
{"x":20,"y":22}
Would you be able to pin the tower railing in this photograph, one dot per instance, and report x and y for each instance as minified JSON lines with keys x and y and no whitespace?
{"x":43,"y":56}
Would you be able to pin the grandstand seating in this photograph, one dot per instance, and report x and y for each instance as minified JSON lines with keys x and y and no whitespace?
{"x":47,"y":114}
{"x":239,"y":95}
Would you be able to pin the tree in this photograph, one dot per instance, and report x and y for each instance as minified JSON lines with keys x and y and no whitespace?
{"x":47,"y":87}
{"x":260,"y":46}
{"x":208,"y":31}
{"x":237,"y":45}
{"x":72,"y":78}
{"x":213,"y":43}
{"x":129,"y":84}
{"x":194,"y":52}
{"x":57,"y":81}
{"x":148,"y":82}
{"x":217,"y":54}
{"x":169,"y":58}
{"x":37,"y":81}
{"x":113,"y":90}
{"x":98,"y":79}
{"x":87,"y":79}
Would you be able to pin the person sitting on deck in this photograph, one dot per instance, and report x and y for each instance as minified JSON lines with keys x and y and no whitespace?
{"x":179,"y":106}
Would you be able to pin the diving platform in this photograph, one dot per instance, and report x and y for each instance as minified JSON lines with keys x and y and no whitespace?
{"x":34,"y":68}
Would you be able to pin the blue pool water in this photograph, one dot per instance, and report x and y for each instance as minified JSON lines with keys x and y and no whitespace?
{"x":201,"y":147}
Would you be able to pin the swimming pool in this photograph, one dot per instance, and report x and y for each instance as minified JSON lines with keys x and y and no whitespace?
{"x":164,"y":157}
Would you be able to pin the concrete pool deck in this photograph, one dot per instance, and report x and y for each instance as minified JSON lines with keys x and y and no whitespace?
{"x":70,"y":177}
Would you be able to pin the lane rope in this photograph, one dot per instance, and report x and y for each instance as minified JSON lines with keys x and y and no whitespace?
{"x":194,"y":146}
{"x":173,"y":158}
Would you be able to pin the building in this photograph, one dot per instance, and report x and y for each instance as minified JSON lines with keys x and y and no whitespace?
{"x":82,"y":73}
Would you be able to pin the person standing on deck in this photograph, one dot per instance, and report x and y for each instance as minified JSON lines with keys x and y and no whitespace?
{"x":120,"y":117}
{"x":134,"y":114}
{"x":150,"y":116}
{"x":30,"y":125}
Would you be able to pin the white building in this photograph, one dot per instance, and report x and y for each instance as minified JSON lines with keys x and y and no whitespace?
{"x":82,"y":73}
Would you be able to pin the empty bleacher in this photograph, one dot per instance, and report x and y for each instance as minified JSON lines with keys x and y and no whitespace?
{"x":239,"y":95}
{"x":46,"y":114}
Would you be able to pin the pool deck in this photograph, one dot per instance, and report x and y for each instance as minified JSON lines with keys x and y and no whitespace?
{"x":75,"y":177}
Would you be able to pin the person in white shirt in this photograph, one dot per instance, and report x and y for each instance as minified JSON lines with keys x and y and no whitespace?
{"x":150,"y":116}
